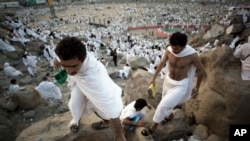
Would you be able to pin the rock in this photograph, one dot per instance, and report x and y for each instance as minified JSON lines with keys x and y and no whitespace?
{"x":237,"y":19}
{"x":138,"y":62}
{"x":114,"y":74}
{"x":6,"y":131}
{"x":201,"y":132}
{"x":56,"y":128}
{"x":179,"y":114}
{"x":62,"y":109}
{"x":214,"y":137}
{"x":29,"y":114}
{"x":27,"y":99}
{"x":235,"y":29}
{"x":10,"y":105}
{"x":215,"y":31}
{"x":132,"y":91}
{"x":223,"y":96}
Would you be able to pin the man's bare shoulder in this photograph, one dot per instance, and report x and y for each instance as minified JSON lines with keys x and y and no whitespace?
{"x":193,"y":56}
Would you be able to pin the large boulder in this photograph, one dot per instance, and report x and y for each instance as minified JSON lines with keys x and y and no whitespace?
{"x":27,"y":99}
{"x":55,"y":128}
{"x":235,"y":29}
{"x":137,"y":87}
{"x":223,"y":96}
{"x":215,"y":31}
{"x":138,"y":62}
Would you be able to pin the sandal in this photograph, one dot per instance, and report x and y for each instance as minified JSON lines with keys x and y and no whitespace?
{"x":167,"y":119}
{"x":146,"y":132}
{"x":99,"y":125}
{"x":74,"y":128}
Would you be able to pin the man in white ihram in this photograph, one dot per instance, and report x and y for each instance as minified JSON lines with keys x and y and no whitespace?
{"x":182,"y":62}
{"x":243,"y":53}
{"x":49,"y":91}
{"x":11,"y":71}
{"x":92,"y":90}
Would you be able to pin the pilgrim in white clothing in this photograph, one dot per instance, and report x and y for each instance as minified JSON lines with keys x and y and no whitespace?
{"x":175,"y":92}
{"x":243,"y":53}
{"x":14,"y":87}
{"x":30,"y":63}
{"x":5,"y":45}
{"x":49,"y":91}
{"x":11,"y":71}
{"x":130,"y":112}
{"x":125,"y":71}
{"x":93,"y":90}
{"x":49,"y":55}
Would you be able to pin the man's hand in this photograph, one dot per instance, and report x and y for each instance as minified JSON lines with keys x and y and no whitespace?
{"x":151,"y":82}
{"x":139,"y":123}
{"x":194,"y":93}
{"x":56,"y":64}
{"x":149,"y":107}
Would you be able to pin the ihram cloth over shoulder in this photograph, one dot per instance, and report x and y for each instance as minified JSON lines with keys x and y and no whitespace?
{"x":94,"y":82}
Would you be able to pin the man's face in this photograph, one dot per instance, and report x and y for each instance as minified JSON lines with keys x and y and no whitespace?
{"x":177,"y":49}
{"x":71,"y":66}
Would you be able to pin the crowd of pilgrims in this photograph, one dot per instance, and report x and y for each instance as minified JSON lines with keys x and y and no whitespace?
{"x":113,"y":37}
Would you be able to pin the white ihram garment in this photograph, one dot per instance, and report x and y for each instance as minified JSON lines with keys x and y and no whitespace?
{"x":125,"y":71}
{"x":6,"y":46}
{"x":30,"y":63}
{"x":10,"y":71}
{"x":49,"y":91}
{"x":243,"y":52}
{"x":13,"y":88}
{"x":49,"y":55}
{"x":93,"y":90}
{"x":130,"y":112}
{"x":175,"y":92}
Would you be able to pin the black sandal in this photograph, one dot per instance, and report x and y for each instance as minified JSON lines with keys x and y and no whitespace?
{"x":74,"y":128}
{"x":99,"y":125}
{"x":167,"y":119}
{"x":146,"y":132}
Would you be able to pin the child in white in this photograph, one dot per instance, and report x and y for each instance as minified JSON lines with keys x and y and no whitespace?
{"x":132,"y":110}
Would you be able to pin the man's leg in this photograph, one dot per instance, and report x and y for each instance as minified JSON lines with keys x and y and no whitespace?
{"x":76,"y":105}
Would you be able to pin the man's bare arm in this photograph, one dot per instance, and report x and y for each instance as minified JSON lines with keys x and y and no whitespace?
{"x":199,"y":73}
{"x":159,"y":67}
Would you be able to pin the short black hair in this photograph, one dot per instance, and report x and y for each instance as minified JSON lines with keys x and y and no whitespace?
{"x":45,"y":78}
{"x":178,"y":38}
{"x":70,"y":48}
{"x":140,"y":103}
{"x":13,"y":81}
